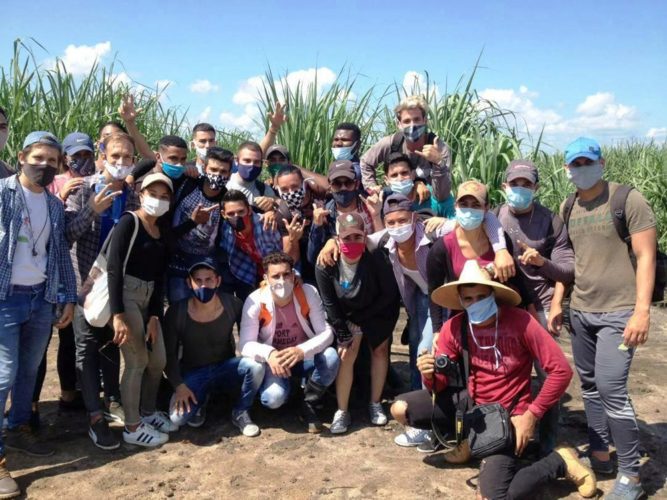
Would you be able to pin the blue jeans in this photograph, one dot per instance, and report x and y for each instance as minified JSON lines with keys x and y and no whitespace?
{"x":26,"y":323}
{"x":420,"y":338}
{"x":322,"y":369}
{"x":231,"y":373}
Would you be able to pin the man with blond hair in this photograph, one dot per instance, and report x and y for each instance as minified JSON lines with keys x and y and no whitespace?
{"x":429,"y":154}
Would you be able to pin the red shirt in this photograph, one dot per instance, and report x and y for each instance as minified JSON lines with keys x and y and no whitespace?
{"x":458,"y":259}
{"x":247,"y":245}
{"x":521,"y":339}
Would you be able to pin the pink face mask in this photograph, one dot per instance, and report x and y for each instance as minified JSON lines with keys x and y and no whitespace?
{"x":352,"y":250}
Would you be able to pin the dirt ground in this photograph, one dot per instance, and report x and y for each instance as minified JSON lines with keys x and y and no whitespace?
{"x":214,"y":461}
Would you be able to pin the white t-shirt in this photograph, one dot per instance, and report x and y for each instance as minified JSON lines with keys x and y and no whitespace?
{"x":29,"y":269}
{"x":415,"y":276}
{"x":249,"y":189}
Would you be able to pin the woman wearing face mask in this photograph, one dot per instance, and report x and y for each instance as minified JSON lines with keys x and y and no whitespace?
{"x":468,"y":241}
{"x":137,"y":260}
{"x":360,"y":297}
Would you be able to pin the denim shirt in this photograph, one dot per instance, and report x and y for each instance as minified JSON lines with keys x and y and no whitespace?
{"x":59,"y":268}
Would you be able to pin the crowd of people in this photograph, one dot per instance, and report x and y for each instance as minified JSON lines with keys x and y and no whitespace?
{"x":313,"y":270}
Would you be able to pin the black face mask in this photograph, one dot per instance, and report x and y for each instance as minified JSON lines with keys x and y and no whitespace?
{"x":345,"y":198}
{"x":42,"y":175}
{"x":83,"y":167}
{"x":237,"y":223}
{"x":204,"y":294}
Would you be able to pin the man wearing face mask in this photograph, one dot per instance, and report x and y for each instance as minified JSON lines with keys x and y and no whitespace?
{"x":5,"y":171}
{"x":199,"y":341}
{"x":37,"y":269}
{"x":244,"y":243}
{"x":283,"y":327}
{"x":246,"y":179}
{"x":91,"y":213}
{"x":502,"y":343}
{"x":346,"y":198}
{"x":545,"y":260}
{"x":196,"y":219}
{"x":609,"y":306}
{"x":80,"y":163}
{"x":429,"y":154}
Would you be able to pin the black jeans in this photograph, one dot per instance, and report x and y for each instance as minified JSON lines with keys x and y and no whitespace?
{"x":65,"y":363}
{"x":500,"y":478}
{"x":94,"y":353}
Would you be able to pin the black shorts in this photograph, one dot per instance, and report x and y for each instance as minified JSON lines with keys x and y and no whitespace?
{"x":421,"y":409}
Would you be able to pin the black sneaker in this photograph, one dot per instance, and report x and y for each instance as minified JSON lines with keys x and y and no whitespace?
{"x":24,"y":439}
{"x":76,"y":404}
{"x":430,"y":444}
{"x":102,"y":436}
{"x":309,"y":416}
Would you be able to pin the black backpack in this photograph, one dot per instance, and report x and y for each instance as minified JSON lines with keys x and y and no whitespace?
{"x":617,"y":207}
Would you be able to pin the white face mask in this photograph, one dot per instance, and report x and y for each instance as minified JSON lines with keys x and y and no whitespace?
{"x":201,"y":153}
{"x":282,"y":289}
{"x":153,"y":206}
{"x":401,"y":233}
{"x":118,"y":172}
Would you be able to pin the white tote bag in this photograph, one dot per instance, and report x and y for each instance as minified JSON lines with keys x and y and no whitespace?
{"x":94,"y":295}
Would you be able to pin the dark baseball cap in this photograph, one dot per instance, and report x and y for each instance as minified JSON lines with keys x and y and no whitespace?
{"x":341,"y":168}
{"x":522,"y":169}
{"x":396,"y":203}
{"x":204,"y":263}
{"x":77,"y":141}
{"x":280,"y":149}
{"x":42,"y":137}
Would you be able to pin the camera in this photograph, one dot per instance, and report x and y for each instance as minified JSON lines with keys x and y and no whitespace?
{"x":446,"y":366}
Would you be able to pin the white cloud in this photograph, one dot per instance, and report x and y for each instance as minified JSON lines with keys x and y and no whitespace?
{"x":657,"y":133}
{"x":117,"y":79}
{"x":244,"y":121}
{"x":597,"y":115}
{"x":415,"y":83}
{"x":79,"y":59}
{"x":204,"y":115}
{"x":203,"y":87}
{"x":248,"y":91}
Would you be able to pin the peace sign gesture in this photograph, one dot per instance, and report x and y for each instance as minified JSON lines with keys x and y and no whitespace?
{"x":126,"y":110}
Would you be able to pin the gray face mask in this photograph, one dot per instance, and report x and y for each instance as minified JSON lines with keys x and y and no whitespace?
{"x":585,"y":177}
{"x":412,"y":133}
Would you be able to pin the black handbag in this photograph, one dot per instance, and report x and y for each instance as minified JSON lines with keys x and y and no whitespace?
{"x":488,"y":426}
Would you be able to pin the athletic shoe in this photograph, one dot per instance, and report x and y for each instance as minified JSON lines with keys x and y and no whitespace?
{"x":430,"y":444}
{"x":160,"y":421}
{"x":75,"y":404}
{"x":605,"y":467}
{"x":459,"y":455}
{"x":8,"y":487}
{"x":377,"y":414}
{"x":309,"y":416}
{"x":115,"y":413}
{"x":145,"y":435}
{"x":341,"y":421}
{"x":626,"y":489}
{"x":24,"y":439}
{"x":198,"y":419}
{"x":411,"y":437}
{"x":578,"y":473}
{"x":244,"y":423}
{"x":102,"y":436}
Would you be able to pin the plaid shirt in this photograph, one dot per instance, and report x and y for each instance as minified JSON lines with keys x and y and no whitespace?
{"x":240,"y":264}
{"x":83,"y":228}
{"x":58,"y":265}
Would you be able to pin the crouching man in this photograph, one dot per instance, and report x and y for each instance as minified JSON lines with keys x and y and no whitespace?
{"x":503,"y":341}
{"x":283,"y":326}
{"x":201,"y":327}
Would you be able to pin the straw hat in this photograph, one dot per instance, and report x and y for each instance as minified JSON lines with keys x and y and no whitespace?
{"x":448,"y":294}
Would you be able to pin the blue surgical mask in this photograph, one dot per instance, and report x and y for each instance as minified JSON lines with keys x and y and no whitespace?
{"x":249,"y":172}
{"x":585,"y":177}
{"x":469,"y":218}
{"x":413,"y":132}
{"x":403,"y":187}
{"x":204,"y":294}
{"x":173,"y":171}
{"x":518,"y":197}
{"x":344,"y":198}
{"x":482,"y":310}
{"x":344,"y":152}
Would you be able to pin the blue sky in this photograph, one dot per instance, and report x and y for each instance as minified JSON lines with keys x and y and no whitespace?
{"x":576,"y":67}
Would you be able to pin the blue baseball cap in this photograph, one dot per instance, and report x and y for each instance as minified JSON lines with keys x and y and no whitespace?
{"x":77,"y":141}
{"x":42,"y":137}
{"x":582,"y":147}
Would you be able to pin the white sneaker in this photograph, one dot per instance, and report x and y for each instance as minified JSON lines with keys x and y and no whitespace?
{"x":245,"y":424}
{"x":160,"y":421}
{"x":377,"y":414}
{"x":145,"y":435}
{"x":411,"y":437}
{"x":341,"y":421}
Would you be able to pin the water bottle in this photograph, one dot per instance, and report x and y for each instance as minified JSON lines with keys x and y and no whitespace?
{"x":100,"y":182}
{"x":61,"y":302}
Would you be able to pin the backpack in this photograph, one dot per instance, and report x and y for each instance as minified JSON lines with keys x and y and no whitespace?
{"x":617,"y":208}
{"x":398,"y":139}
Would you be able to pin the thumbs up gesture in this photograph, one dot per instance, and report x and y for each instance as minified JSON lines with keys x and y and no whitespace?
{"x":530,"y":256}
{"x":431,"y":152}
